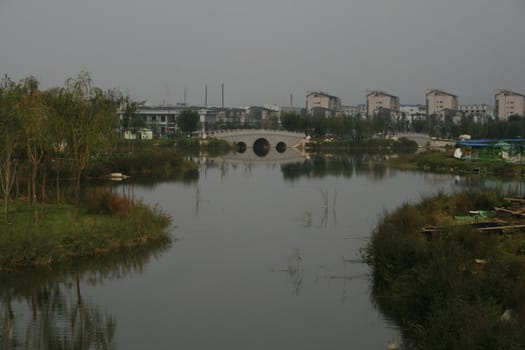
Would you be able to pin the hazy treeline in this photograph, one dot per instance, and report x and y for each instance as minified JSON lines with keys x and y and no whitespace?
{"x":359,"y":128}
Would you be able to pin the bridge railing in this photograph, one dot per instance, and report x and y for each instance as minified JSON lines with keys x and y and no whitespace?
{"x":225,"y":132}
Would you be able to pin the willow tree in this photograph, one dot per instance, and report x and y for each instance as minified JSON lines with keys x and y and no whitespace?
{"x":56,"y":131}
{"x":90,"y":119}
{"x":34,"y":132}
{"x":10,"y":126}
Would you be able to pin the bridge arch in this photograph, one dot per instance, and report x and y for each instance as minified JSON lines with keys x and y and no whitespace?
{"x":280,"y":147}
{"x":261,"y":147}
{"x":277,"y":139}
{"x":241,"y":147}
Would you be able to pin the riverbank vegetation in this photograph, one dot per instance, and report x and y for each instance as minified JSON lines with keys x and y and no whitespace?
{"x":444,"y":162}
{"x":211,"y":146}
{"x":51,"y":142}
{"x":108,"y":223}
{"x":361,"y":127}
{"x":161,"y":160}
{"x":373,"y":145}
{"x":461,"y":289}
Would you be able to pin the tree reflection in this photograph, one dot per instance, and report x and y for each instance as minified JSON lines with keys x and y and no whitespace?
{"x":8,"y":336}
{"x":60,"y":317}
{"x":339,"y":165}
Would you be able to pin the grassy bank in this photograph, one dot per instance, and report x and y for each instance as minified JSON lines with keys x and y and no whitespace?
{"x":57,"y":238}
{"x":384,"y":146}
{"x":159,"y":159}
{"x":461,"y":290}
{"x":213,"y":147}
{"x":444,"y":162}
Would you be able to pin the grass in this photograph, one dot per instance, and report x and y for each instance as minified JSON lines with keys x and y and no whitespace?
{"x":444,"y":162}
{"x":369,"y":145}
{"x":435,"y":291}
{"x":58,"y":238}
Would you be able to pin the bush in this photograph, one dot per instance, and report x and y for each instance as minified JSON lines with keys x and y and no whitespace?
{"x":404,"y":145}
{"x":436,"y":293}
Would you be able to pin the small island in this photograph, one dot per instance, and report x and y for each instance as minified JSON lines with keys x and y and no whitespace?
{"x":53,"y":144}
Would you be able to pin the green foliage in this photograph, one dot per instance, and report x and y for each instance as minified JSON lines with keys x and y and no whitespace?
{"x":188,"y":121}
{"x":147,"y":159}
{"x":130,"y":118}
{"x":434,"y":289}
{"x":404,"y":145}
{"x":194,"y":146}
{"x":293,"y":122}
{"x":59,"y":238}
{"x":444,"y":162}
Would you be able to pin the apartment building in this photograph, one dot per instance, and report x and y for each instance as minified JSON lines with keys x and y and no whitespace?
{"x":509,"y":103}
{"x":438,"y":100}
{"x":380,"y":100}
{"x":352,"y":111}
{"x":481,"y":113}
{"x":320,"y":101}
{"x":413,"y":112}
{"x":162,"y":120}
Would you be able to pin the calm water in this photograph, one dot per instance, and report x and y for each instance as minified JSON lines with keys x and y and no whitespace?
{"x":264,"y":258}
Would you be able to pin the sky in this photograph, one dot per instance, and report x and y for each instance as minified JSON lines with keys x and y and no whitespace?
{"x":265,"y":50}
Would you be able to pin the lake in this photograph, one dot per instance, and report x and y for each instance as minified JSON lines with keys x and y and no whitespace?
{"x":266,"y":255}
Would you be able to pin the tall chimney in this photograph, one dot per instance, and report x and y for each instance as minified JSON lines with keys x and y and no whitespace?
{"x":206,"y":95}
{"x":222,"y":92}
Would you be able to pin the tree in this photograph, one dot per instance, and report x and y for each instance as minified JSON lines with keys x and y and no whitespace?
{"x":90,"y":118}
{"x":188,"y":121}
{"x":10,"y":125}
{"x":34,"y":131}
{"x":56,"y":104}
{"x":292,"y":122}
{"x":131,"y":120}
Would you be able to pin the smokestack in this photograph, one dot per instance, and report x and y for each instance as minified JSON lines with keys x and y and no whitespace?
{"x":222,"y":92}
{"x":291,"y":100}
{"x":185,"y":96}
{"x":206,"y":95}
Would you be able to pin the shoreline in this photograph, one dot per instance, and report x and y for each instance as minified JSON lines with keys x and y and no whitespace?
{"x":463,"y":286}
{"x":58,"y":239}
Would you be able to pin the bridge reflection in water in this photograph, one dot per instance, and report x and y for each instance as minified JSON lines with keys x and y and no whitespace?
{"x":273,"y":156}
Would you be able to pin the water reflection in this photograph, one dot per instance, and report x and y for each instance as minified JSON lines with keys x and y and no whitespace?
{"x":46,"y":309}
{"x":342,"y":165}
{"x":294,"y":271}
{"x":295,"y":164}
{"x":188,"y":176}
{"x":324,"y":274}
{"x":261,"y":155}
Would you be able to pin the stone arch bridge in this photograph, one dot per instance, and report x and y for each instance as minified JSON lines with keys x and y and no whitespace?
{"x":261,"y":140}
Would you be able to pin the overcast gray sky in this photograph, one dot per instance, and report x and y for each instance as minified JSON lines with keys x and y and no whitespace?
{"x":263,"y":50}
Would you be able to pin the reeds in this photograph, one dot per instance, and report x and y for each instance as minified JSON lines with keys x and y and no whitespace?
{"x":435,"y":291}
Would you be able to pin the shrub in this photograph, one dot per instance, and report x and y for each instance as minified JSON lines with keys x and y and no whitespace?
{"x":435,"y":291}
{"x":102,"y":201}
